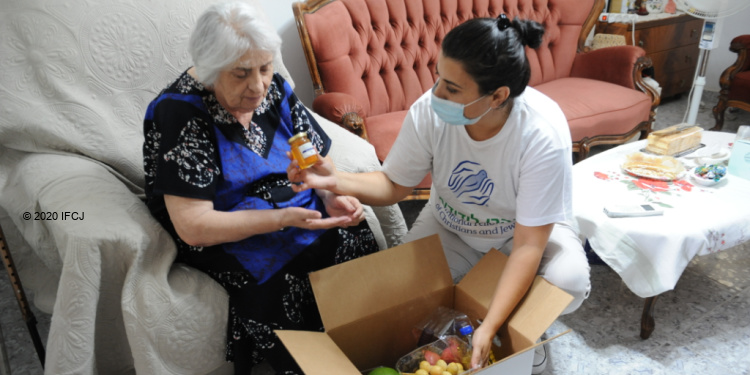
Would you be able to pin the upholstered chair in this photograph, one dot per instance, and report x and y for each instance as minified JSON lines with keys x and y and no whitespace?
{"x":76,"y":79}
{"x":735,"y":81}
{"x":369,"y":60}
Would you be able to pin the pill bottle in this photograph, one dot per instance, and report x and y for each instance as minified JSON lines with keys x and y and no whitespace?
{"x":303,"y":150}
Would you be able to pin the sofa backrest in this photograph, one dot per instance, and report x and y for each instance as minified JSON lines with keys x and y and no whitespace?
{"x":383,"y":52}
{"x":77,"y":78}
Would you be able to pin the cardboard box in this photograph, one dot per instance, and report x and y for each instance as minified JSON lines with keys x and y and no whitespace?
{"x":370,"y":306}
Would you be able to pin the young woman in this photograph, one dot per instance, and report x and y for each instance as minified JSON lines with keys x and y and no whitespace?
{"x":500,"y":157}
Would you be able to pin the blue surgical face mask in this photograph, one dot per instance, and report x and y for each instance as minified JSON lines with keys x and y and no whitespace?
{"x":452,"y":112}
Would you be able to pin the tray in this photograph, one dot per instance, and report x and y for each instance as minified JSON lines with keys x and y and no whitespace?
{"x":677,"y":155}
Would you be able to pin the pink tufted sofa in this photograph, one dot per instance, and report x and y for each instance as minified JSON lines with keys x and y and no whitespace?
{"x":370,"y":60}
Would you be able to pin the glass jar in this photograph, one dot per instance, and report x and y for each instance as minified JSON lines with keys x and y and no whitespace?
{"x":303,"y":150}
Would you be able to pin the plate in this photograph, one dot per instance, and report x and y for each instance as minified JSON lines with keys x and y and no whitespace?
{"x":718,"y":157}
{"x":655,"y":175}
{"x":663,"y":168}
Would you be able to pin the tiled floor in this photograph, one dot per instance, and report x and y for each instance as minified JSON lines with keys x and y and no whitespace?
{"x":702,"y":327}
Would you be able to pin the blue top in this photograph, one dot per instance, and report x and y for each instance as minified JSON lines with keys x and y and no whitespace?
{"x":194,"y":148}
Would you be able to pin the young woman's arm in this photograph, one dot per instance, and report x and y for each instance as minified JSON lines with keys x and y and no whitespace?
{"x":528,"y":247}
{"x":371,"y":188}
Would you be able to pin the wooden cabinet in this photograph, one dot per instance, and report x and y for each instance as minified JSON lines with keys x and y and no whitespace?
{"x":672,"y":44}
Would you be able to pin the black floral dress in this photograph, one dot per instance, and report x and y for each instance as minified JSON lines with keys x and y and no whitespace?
{"x":194,"y":148}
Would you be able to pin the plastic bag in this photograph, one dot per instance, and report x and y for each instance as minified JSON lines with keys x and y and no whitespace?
{"x":445,"y":322}
{"x":441,"y":323}
{"x":450,"y":349}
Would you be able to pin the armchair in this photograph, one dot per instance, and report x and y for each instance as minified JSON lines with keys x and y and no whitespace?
{"x":74,"y":87}
{"x":734,"y":81}
{"x":371,"y":59}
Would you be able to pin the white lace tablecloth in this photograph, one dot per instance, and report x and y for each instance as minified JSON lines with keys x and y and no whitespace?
{"x":650,"y":253}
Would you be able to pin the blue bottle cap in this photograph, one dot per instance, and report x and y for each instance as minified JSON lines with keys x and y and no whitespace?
{"x":466,"y":330}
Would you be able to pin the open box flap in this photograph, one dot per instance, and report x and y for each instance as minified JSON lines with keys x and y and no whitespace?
{"x":502,"y":363}
{"x":535,"y":313}
{"x":316,"y":353}
{"x":539,"y":309}
{"x":534,"y":346}
{"x":362,"y":287}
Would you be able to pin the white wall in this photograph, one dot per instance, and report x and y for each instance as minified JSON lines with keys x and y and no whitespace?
{"x":282,"y":17}
{"x":721,"y":58}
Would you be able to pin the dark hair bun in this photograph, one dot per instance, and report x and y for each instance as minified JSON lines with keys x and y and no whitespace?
{"x":530,"y":32}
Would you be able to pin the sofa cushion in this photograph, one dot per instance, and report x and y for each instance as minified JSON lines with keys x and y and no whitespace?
{"x":383,"y":130}
{"x":589,"y":105}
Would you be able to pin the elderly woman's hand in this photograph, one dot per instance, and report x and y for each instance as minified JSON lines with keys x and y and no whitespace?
{"x":343,"y":206}
{"x":310,"y":219}
{"x":343,"y":211}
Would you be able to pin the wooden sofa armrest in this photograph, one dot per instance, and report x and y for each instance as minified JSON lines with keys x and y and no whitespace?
{"x":342,"y":109}
{"x":740,"y":42}
{"x":642,"y":63}
{"x":740,"y":45}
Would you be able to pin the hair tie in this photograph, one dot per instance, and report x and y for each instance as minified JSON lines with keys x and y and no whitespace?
{"x":503,"y":22}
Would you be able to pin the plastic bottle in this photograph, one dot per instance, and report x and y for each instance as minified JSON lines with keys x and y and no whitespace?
{"x":303,"y":150}
{"x":467,"y":332}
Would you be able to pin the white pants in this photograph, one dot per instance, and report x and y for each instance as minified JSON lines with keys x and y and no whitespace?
{"x":563,"y":264}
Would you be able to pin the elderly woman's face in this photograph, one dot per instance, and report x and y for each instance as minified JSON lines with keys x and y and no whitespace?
{"x":242,"y":88}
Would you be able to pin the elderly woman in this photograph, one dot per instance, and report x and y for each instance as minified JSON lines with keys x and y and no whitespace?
{"x":215,"y":156}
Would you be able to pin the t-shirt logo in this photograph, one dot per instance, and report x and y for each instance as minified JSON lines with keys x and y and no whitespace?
{"x":470,"y":183}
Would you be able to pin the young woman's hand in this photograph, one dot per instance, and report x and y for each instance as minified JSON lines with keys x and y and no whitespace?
{"x":481,"y":344}
{"x":322,"y":175}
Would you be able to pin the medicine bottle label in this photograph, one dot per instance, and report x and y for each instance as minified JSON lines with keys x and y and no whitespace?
{"x":307,"y":150}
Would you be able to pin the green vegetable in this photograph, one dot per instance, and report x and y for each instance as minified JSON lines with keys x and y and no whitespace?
{"x":383,"y":371}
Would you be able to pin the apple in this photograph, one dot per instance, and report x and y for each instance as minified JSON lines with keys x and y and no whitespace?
{"x":431,"y":357}
{"x":451,"y":353}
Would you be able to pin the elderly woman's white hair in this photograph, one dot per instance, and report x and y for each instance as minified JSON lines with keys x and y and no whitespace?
{"x":225,"y":32}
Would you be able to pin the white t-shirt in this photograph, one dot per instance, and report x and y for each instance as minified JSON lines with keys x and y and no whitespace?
{"x":481,"y":189}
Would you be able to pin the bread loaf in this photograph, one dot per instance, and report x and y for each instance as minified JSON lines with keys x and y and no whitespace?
{"x":674,"y":139}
